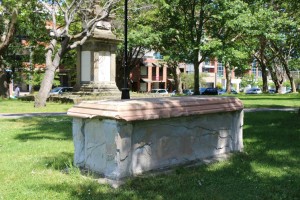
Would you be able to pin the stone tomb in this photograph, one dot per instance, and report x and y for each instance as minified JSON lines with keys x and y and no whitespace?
{"x":124,"y":138}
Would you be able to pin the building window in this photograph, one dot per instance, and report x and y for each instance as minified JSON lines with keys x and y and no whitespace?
{"x":190,"y":68}
{"x":207,"y":62}
{"x":153,"y":71}
{"x":161,"y":70}
{"x":254,"y":68}
{"x":259,"y":73}
{"x":207,"y":67}
{"x":144,"y":71}
{"x":220,"y":70}
{"x":204,"y":69}
{"x":157,"y":56}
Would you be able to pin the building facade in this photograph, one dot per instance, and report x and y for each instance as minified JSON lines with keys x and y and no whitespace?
{"x":151,"y":74}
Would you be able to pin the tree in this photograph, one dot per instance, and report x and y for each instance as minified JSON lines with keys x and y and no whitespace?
{"x":8,"y":20}
{"x":225,"y":30}
{"x":16,"y":57}
{"x":182,"y":27}
{"x":188,"y":79}
{"x":141,"y":36}
{"x":286,"y":45}
{"x":71,"y":23}
{"x":273,"y":36}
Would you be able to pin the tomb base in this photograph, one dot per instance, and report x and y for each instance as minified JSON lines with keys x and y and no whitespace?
{"x":124,"y":138}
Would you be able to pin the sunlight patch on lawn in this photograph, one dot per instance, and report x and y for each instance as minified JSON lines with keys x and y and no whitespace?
{"x":267,"y":170}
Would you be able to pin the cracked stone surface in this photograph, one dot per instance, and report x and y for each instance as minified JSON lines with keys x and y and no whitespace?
{"x":120,"y":149}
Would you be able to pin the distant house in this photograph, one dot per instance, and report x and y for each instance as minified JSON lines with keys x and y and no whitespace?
{"x":152,"y":75}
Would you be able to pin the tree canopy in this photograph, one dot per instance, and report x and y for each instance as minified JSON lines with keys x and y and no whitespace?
{"x":237,"y":33}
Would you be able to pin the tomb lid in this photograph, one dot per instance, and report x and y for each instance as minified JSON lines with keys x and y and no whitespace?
{"x":155,"y":108}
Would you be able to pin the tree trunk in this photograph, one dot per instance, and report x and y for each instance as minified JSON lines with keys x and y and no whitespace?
{"x":291,"y":78}
{"x":7,"y":36}
{"x":284,"y":61}
{"x":196,"y":73}
{"x":10,"y":32}
{"x":264,"y":78}
{"x":177,"y":79}
{"x":276,"y":78}
{"x":228,"y":78}
{"x":46,"y":85}
{"x":4,"y":85}
{"x":51,"y":66}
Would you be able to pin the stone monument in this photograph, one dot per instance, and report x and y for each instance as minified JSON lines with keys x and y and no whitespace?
{"x":123,"y":138}
{"x":96,"y":61}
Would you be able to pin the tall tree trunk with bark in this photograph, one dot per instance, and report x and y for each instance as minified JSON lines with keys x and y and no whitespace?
{"x":196,"y":75}
{"x":291,"y":78}
{"x":277,"y":78}
{"x":51,"y":66}
{"x":228,"y":77}
{"x":4,"y":84}
{"x":284,"y":60}
{"x":264,"y":74}
{"x":9,"y":33}
{"x":4,"y":43}
{"x":177,"y":78}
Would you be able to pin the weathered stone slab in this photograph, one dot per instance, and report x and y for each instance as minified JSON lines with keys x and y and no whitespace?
{"x":128,"y":137}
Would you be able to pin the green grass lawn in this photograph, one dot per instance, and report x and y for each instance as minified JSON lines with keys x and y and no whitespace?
{"x":270,"y":100}
{"x":18,"y":106}
{"x":35,"y":153}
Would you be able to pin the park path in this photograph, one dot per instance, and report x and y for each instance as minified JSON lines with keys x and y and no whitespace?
{"x":19,"y":115}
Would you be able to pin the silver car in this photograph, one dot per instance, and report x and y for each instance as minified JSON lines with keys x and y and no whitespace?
{"x":254,"y":91}
{"x":159,"y":91}
{"x":60,"y":90}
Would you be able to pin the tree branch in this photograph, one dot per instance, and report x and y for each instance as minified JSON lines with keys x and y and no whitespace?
{"x":10,"y":32}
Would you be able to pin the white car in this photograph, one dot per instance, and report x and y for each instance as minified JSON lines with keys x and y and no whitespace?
{"x":254,"y":91}
{"x":159,"y":91}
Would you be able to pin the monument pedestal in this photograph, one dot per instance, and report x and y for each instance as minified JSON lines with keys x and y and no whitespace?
{"x":96,"y":64}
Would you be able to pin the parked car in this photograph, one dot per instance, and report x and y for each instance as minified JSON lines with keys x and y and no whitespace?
{"x":288,"y":90}
{"x":188,"y":91}
{"x":202,"y":90}
{"x":185,"y":92}
{"x":272,"y":91}
{"x":254,"y":91}
{"x":159,"y":91}
{"x":210,"y":91}
{"x":61,"y":90}
{"x":223,"y":91}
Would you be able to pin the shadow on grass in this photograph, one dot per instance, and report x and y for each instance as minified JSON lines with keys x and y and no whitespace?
{"x":62,"y":161}
{"x":40,"y":128}
{"x":269,"y":168}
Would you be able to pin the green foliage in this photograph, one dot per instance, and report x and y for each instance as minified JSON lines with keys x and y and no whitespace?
{"x":188,"y":79}
{"x":271,"y":85}
{"x":33,"y":32}
{"x":36,"y":77}
{"x":286,"y":84}
{"x":219,"y":86}
{"x":225,"y":29}
{"x":248,"y":80}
